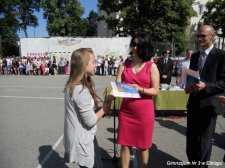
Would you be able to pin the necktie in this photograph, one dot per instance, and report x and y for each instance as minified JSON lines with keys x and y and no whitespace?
{"x":201,"y":61}
{"x":165,"y":61}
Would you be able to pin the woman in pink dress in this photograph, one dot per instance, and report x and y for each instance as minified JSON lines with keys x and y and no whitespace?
{"x":136,"y":116}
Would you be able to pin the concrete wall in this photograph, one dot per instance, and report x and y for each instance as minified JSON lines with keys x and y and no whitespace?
{"x":64,"y":46}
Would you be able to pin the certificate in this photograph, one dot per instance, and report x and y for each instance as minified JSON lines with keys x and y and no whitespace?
{"x":189,"y":77}
{"x":124,"y":90}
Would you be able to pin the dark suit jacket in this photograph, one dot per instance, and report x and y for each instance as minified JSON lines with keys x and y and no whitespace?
{"x":165,"y":69}
{"x":213,"y":74}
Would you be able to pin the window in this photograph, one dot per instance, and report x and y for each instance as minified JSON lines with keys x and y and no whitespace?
{"x":201,"y":9}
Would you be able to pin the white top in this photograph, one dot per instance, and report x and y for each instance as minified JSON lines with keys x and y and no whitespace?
{"x":80,"y":126}
{"x":183,"y":63}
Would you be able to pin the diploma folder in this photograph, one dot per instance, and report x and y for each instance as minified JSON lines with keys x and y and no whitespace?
{"x":189,"y":77}
{"x":124,"y":90}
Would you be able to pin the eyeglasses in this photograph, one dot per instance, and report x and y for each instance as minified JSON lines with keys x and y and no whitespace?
{"x":166,"y":53}
{"x":133,"y":44}
{"x":202,"y":35}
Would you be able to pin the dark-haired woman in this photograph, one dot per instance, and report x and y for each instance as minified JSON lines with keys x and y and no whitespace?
{"x":136,"y":116}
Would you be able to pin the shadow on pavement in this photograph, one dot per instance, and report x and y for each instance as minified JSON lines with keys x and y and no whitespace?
{"x":171,"y":113}
{"x":54,"y":160}
{"x":160,"y":159}
{"x":107,"y":160}
{"x":219,"y":140}
{"x":111,"y":130}
{"x":172,"y":125}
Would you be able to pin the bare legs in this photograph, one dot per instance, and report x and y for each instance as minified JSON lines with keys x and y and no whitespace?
{"x":125,"y":156}
{"x":143,"y":156}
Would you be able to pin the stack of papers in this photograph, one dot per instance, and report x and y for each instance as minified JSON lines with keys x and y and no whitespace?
{"x":175,"y":88}
{"x":164,"y":86}
{"x":170,"y":87}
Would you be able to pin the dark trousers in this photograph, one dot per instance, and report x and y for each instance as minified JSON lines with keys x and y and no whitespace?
{"x":166,"y":81}
{"x":98,"y":70}
{"x":200,"y":129}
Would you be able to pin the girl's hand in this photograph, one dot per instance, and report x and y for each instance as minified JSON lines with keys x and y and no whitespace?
{"x":107,"y":103}
{"x":106,"y":107}
{"x":109,"y":98}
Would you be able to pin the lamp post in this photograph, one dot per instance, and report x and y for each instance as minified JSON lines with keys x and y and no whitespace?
{"x":106,"y":31}
{"x":34,"y":32}
{"x":175,"y":47}
{"x":172,"y":46}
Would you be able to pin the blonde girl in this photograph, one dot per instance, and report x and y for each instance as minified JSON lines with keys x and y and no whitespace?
{"x":80,"y":117}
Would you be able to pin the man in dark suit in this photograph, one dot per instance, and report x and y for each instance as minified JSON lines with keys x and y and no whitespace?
{"x":203,"y":105}
{"x":165,"y":66}
{"x":222,"y":100}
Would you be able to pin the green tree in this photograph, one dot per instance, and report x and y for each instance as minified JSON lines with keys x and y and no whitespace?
{"x":15,"y":15}
{"x":8,"y":28}
{"x":214,"y":15}
{"x":26,"y":17}
{"x":92,"y":22}
{"x":64,"y":17}
{"x":165,"y":20}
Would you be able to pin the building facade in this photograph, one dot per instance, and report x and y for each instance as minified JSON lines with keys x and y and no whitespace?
{"x":199,"y":7}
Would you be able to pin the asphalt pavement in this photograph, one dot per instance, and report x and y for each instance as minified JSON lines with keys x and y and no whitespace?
{"x":31,"y":128}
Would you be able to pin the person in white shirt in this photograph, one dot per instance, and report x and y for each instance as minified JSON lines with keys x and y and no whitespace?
{"x":61,"y":66}
{"x":106,"y":66}
{"x":9,"y":65}
{"x":99,"y":62}
{"x":116,"y":65}
{"x":183,"y":63}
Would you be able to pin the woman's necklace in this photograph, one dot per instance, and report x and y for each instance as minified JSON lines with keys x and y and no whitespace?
{"x":137,"y":67}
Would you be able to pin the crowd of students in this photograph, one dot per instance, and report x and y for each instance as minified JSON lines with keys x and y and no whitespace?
{"x":107,"y":65}
{"x":16,"y":65}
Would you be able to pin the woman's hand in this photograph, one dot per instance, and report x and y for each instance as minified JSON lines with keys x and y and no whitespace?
{"x":138,"y":88}
{"x":107,"y":102}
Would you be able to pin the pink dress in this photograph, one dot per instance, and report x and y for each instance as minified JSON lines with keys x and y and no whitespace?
{"x":136,"y":116}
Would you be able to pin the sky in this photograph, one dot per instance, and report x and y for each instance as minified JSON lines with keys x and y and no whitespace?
{"x":41,"y":31}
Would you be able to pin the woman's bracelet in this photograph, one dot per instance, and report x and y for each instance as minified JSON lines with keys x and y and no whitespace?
{"x":142,"y":91}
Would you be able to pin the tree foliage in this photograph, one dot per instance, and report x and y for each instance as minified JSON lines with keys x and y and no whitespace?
{"x":165,"y":20}
{"x":92,"y":22}
{"x":8,"y":28}
{"x":26,"y":16}
{"x":215,"y":15}
{"x":16,"y":15}
{"x":64,"y":17}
